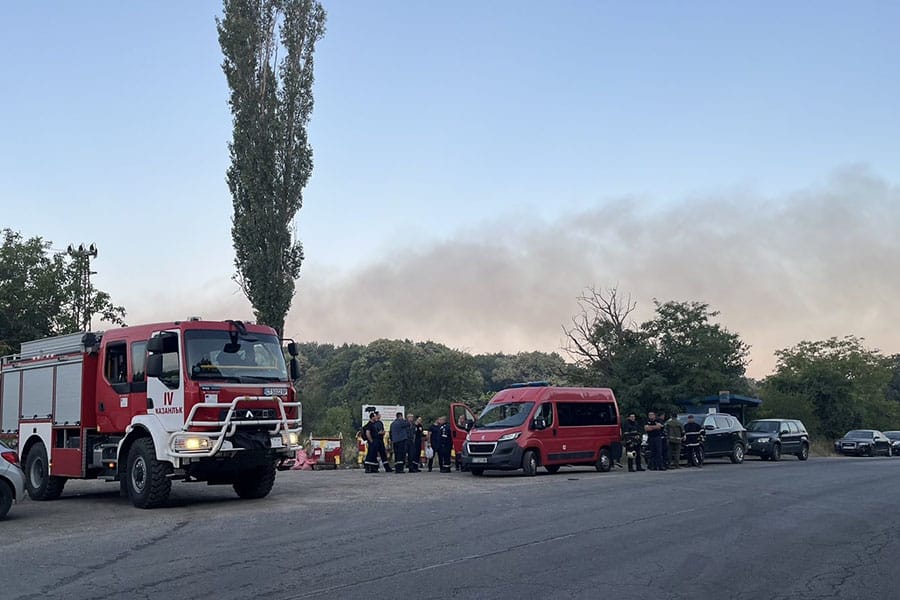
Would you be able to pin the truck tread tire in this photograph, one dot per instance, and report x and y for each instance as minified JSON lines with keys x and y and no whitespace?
{"x":530,"y":463}
{"x":147,"y":478}
{"x":6,"y":498}
{"x":255,"y":483}
{"x":39,"y":484}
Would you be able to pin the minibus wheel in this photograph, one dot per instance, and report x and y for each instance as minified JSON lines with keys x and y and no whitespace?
{"x":530,"y":463}
{"x":604,"y":461}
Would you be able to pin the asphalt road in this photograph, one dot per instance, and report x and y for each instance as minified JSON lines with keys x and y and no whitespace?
{"x":826,"y":528}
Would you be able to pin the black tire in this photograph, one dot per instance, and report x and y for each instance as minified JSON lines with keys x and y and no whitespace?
{"x":775,"y":455}
{"x":871,"y":451}
{"x":530,"y":463}
{"x":476,"y":471}
{"x":6,"y":498}
{"x":552,"y":469}
{"x":257,"y":483}
{"x":41,"y":485}
{"x":604,"y":461}
{"x":147,"y":478}
{"x":804,"y":452}
{"x":737,"y":454}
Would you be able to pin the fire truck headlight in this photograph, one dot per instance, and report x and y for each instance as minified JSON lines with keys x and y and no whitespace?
{"x":184,"y":443}
{"x":290,"y":438}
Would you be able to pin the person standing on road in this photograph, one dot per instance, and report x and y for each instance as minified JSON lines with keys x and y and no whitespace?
{"x":693,"y":436}
{"x":434,"y":434}
{"x":379,"y":442}
{"x":631,"y":432}
{"x":675,"y":434}
{"x":445,"y":444}
{"x":654,"y":431}
{"x":370,"y":431}
{"x":413,"y":448}
{"x":400,"y":431}
{"x":661,"y":417}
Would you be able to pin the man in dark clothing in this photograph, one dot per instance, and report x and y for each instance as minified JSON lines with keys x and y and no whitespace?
{"x":415,"y":443}
{"x":693,"y":437}
{"x":674,"y":435}
{"x":654,"y":437}
{"x":400,"y":434}
{"x":373,"y":431}
{"x":445,"y":444}
{"x":632,"y":432}
{"x":381,"y":451}
{"x":434,"y":434}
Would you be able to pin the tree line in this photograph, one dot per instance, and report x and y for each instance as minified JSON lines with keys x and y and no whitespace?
{"x":678,"y":355}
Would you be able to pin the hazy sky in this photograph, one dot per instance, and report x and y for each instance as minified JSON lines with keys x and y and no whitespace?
{"x":478,"y":164}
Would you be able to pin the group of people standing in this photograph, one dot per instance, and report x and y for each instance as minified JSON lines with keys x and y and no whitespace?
{"x":664,"y":438}
{"x":406,"y":437}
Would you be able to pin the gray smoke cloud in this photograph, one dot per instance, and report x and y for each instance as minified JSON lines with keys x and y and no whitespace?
{"x":816,"y":263}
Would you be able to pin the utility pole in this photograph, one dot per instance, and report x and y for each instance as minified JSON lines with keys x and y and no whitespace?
{"x":82,"y":256}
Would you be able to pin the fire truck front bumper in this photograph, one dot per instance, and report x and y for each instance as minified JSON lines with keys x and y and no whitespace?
{"x":202,"y":445}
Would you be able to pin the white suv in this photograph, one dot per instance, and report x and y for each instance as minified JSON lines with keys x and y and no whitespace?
{"x":12,"y":480}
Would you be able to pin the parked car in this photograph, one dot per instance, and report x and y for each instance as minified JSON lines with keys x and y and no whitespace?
{"x":894,"y":436}
{"x":12,"y":480}
{"x":724,"y":436}
{"x":863,"y":442}
{"x":770,"y":439}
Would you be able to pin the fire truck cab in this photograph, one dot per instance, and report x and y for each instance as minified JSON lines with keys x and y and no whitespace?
{"x":194,"y":400}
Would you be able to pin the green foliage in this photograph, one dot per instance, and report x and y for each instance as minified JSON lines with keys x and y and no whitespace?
{"x":424,"y":377}
{"x":842,"y":383}
{"x":678,"y":355}
{"x":39,"y":292}
{"x":271,"y":159}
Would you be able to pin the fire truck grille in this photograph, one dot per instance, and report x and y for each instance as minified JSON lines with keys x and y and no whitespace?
{"x":249,"y":414}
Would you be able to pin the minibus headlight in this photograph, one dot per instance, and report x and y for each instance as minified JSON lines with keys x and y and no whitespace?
{"x":510,"y":436}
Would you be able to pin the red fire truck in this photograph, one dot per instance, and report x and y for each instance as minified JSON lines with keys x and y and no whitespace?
{"x":192,"y":400}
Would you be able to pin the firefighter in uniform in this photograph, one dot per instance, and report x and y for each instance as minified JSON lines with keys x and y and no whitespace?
{"x":371,"y":462}
{"x":693,"y":439}
{"x":675,"y":433}
{"x":400,"y":441}
{"x":445,"y":445}
{"x":654,"y":431}
{"x":632,"y":432}
{"x":434,"y":435}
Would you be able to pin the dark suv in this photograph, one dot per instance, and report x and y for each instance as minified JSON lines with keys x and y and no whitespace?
{"x":724,"y":436}
{"x":770,"y":439}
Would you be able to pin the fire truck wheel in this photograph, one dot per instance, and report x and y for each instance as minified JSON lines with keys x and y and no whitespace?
{"x":6,"y":498}
{"x":255,"y":483}
{"x":147,"y":478}
{"x":39,"y":483}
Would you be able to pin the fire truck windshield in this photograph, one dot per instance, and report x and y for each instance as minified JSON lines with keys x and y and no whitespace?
{"x":223,"y":355}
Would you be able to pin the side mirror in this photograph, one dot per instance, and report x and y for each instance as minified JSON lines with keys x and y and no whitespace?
{"x":165,"y":342}
{"x":709,"y":427}
{"x":155,"y":365}
{"x":540,"y":423}
{"x":295,"y":369}
{"x":293,"y":349}
{"x":783,"y":432}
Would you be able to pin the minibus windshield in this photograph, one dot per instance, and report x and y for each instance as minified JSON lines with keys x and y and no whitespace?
{"x":500,"y":416}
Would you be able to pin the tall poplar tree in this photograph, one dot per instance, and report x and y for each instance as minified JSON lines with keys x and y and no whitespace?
{"x":268,"y":47}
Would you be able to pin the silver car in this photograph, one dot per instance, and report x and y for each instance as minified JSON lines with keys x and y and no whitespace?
{"x":12,"y":480}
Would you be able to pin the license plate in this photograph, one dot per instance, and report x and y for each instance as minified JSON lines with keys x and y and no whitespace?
{"x":479,"y":459}
{"x":276,"y":442}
